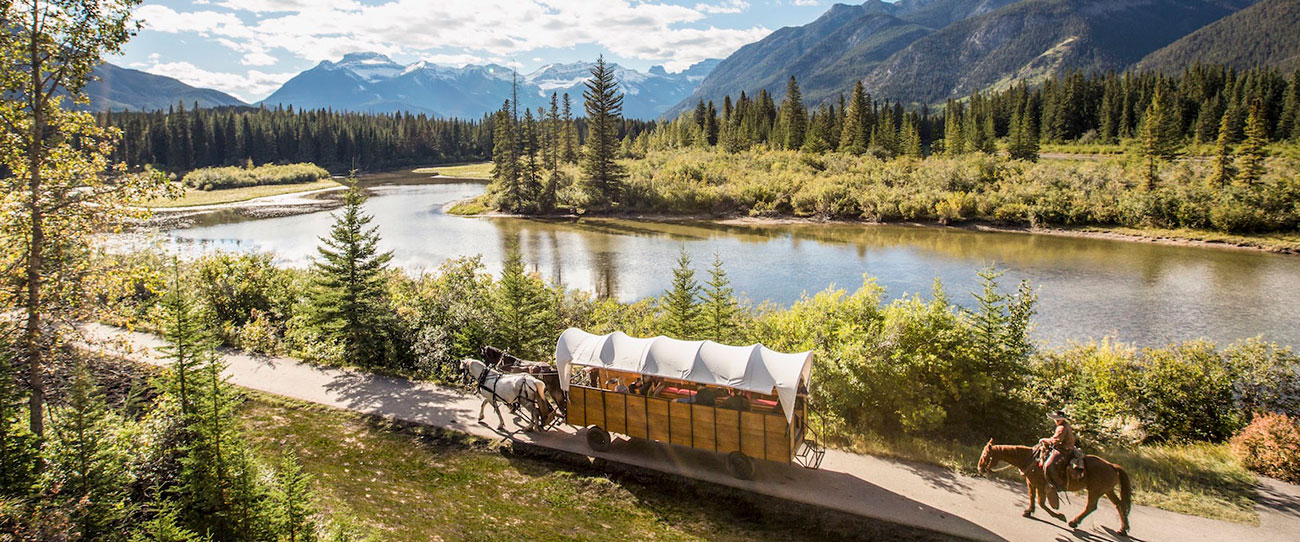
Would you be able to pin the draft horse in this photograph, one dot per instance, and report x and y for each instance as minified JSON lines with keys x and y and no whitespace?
{"x":1100,"y":478}
{"x":504,"y":362}
{"x":513,"y":389}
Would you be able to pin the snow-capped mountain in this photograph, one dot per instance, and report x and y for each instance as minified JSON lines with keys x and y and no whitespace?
{"x":372,"y":82}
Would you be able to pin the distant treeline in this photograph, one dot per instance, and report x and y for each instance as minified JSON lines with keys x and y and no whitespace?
{"x":184,"y":138}
{"x":1073,"y":107}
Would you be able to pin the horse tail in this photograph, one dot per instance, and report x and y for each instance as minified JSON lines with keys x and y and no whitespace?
{"x":1125,"y":491}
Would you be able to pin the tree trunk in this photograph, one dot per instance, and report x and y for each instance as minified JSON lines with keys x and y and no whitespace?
{"x":33,"y":336}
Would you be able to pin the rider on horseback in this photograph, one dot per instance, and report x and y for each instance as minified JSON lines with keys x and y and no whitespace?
{"x":1062,"y":444}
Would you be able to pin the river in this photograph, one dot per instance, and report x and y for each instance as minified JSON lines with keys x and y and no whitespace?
{"x":1144,"y":293}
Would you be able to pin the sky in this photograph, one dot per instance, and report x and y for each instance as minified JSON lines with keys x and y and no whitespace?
{"x":247,"y":48}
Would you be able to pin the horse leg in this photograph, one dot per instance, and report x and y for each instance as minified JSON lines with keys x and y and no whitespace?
{"x":501,"y":421}
{"x":1092,"y":505}
{"x":1033,"y":494}
{"x":1043,"y":502}
{"x":1123,"y":518}
{"x":481,"y":406}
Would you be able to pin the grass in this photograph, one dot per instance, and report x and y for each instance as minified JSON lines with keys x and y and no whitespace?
{"x":469,"y":207}
{"x":415,"y":483}
{"x":1287,"y":242}
{"x":479,"y":170}
{"x":1199,"y":479}
{"x":194,"y":197}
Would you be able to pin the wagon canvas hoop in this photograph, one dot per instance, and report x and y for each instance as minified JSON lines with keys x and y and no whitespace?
{"x":754,"y":368}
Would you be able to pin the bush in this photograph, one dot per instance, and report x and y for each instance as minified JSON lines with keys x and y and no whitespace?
{"x":235,"y":177}
{"x":1270,"y":445}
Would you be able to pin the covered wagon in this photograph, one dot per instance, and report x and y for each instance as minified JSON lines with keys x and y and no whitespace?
{"x":748,"y":402}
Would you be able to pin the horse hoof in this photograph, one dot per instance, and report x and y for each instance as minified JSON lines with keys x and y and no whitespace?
{"x":1074,"y":525}
{"x":1123,"y":532}
{"x":1027,"y":513}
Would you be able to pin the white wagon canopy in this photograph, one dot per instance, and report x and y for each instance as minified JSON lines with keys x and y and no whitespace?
{"x":754,"y":368}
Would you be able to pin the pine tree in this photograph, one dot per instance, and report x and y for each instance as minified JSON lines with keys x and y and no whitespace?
{"x":506,"y":185}
{"x":531,"y":175}
{"x":164,"y":527}
{"x":1223,"y":168}
{"x":553,"y":127}
{"x":1160,"y":135}
{"x":523,"y":305}
{"x":853,"y":137}
{"x":954,"y":142}
{"x":1288,"y":122}
{"x":18,"y":447}
{"x":711,"y":124}
{"x":188,"y":340}
{"x":86,"y":461}
{"x":794,"y":117}
{"x":569,"y":138}
{"x":602,"y":180}
{"x":294,"y":509}
{"x":718,"y":305}
{"x":679,"y":304}
{"x":348,"y":298}
{"x":1253,"y":149}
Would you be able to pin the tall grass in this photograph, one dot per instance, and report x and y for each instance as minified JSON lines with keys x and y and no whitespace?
{"x":219,"y":178}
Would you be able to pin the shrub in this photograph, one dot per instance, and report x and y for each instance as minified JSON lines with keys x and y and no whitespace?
{"x":234,"y":177}
{"x":1270,"y":445}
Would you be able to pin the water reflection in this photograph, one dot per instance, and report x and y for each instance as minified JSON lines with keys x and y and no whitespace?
{"x":1139,"y":292}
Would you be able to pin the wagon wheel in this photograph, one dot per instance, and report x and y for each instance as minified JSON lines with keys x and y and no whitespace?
{"x":740,"y":465}
{"x":597,"y":438}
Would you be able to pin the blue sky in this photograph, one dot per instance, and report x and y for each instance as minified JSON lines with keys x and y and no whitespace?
{"x":249,"y":47}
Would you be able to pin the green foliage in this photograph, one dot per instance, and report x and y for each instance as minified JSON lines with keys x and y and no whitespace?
{"x":18,"y":447}
{"x":164,"y":527}
{"x":680,"y":304}
{"x":349,"y":304}
{"x":268,"y":174}
{"x":1252,"y":150}
{"x":602,"y":180}
{"x":189,"y":342}
{"x":524,"y":307}
{"x":85,"y":457}
{"x":719,"y":313}
{"x":294,"y":510}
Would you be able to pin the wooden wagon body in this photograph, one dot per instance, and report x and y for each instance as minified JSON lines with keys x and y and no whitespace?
{"x":775,"y":428}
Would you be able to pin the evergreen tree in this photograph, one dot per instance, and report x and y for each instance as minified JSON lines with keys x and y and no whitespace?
{"x":547,"y":201}
{"x":1223,"y":168}
{"x":188,"y":341}
{"x":531,"y":175}
{"x":794,"y":117}
{"x":853,"y":137}
{"x":1253,"y":149}
{"x":602,"y":180}
{"x":18,"y":447}
{"x":569,"y":139}
{"x":294,"y":509}
{"x":86,"y":461}
{"x":1160,"y":134}
{"x":348,"y":298}
{"x":718,"y":305}
{"x":711,"y":124}
{"x":506,"y":184}
{"x":164,"y":527}
{"x":553,"y":125}
{"x":679,"y":304}
{"x":954,"y":142}
{"x":1288,"y":124}
{"x":527,"y":322}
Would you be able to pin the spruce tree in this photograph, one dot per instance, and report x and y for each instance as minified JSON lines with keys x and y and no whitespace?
{"x":348,"y":298}
{"x":18,"y":447}
{"x":553,"y":127}
{"x":954,"y":142}
{"x":86,"y":461}
{"x":1253,"y":149}
{"x":294,"y":509}
{"x":1160,"y":134}
{"x":506,"y":185}
{"x":793,"y":116}
{"x":524,"y":308}
{"x":602,"y":180}
{"x":1223,"y":169}
{"x":679,"y":304}
{"x":531,"y":175}
{"x":189,"y":341}
{"x":853,"y":137}
{"x":718,"y":305}
{"x":569,"y":135}
{"x":711,"y":124}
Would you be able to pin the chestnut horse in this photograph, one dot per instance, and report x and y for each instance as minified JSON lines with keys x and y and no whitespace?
{"x":1100,"y":478}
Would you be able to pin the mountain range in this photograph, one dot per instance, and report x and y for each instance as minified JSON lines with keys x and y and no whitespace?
{"x":920,"y":52}
{"x":925,"y":51}
{"x":373,"y":82}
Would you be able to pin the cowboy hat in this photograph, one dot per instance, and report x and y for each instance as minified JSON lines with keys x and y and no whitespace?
{"x":1058,"y":415}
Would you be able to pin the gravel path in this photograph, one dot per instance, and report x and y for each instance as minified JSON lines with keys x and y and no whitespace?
{"x":898,"y":492}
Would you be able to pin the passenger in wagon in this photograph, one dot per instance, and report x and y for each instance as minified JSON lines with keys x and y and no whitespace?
{"x":652,"y":386}
{"x":735,"y":401}
{"x":703,"y":396}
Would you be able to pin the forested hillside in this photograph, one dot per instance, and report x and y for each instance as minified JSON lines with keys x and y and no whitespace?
{"x":923,"y":52}
{"x":1265,"y":34}
{"x":124,"y":89}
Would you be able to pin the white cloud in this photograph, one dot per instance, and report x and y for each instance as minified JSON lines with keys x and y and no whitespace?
{"x":327,"y":29}
{"x":730,"y":6}
{"x":457,"y":60}
{"x":258,"y":59}
{"x":806,"y":2}
{"x":249,"y":87}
